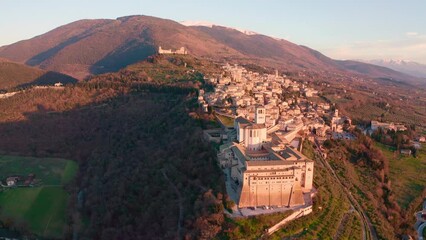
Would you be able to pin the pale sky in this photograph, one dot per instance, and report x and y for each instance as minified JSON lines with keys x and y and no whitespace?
{"x":341,"y":29}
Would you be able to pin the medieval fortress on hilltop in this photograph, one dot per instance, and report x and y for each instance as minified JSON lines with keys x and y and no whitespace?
{"x":181,"y":51}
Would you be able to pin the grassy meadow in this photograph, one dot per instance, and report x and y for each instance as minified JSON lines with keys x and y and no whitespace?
{"x":406,"y":175}
{"x":40,"y":209}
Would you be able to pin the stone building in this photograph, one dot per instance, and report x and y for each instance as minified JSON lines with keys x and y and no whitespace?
{"x":266,"y":172}
{"x":338,"y":122}
{"x":181,"y":50}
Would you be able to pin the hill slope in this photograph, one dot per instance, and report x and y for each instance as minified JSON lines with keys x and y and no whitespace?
{"x":379,"y":72}
{"x":279,"y":51}
{"x":106,"y":125}
{"x":408,"y":67}
{"x":15,"y":75}
{"x":97,"y":46}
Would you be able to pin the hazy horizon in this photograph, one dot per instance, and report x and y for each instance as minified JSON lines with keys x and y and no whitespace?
{"x":339,"y":29}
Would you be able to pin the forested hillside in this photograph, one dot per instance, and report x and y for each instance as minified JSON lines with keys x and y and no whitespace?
{"x":13,"y":75}
{"x":144,"y":170}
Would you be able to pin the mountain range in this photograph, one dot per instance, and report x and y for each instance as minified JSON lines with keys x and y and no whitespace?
{"x":87,"y":47}
{"x":404,"y":66}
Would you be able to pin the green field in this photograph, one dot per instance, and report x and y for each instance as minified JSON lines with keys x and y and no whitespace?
{"x":226,"y":121}
{"x":40,"y":209}
{"x":406,"y":175}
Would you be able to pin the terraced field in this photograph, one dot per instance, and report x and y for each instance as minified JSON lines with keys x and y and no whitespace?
{"x":332,"y":217}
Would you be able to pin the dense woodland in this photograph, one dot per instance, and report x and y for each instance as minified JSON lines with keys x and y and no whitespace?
{"x":145,"y":172}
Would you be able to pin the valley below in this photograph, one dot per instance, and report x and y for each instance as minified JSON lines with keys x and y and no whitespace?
{"x":104,"y":137}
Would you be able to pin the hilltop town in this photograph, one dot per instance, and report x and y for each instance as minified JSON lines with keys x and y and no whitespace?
{"x":265,"y":118}
{"x":288,"y":104}
{"x":291,"y":108}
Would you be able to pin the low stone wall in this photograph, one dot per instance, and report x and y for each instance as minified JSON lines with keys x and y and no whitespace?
{"x":297,"y":214}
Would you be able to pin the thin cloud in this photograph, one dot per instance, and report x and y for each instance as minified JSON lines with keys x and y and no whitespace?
{"x":411,"y":34}
{"x":410,"y":47}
